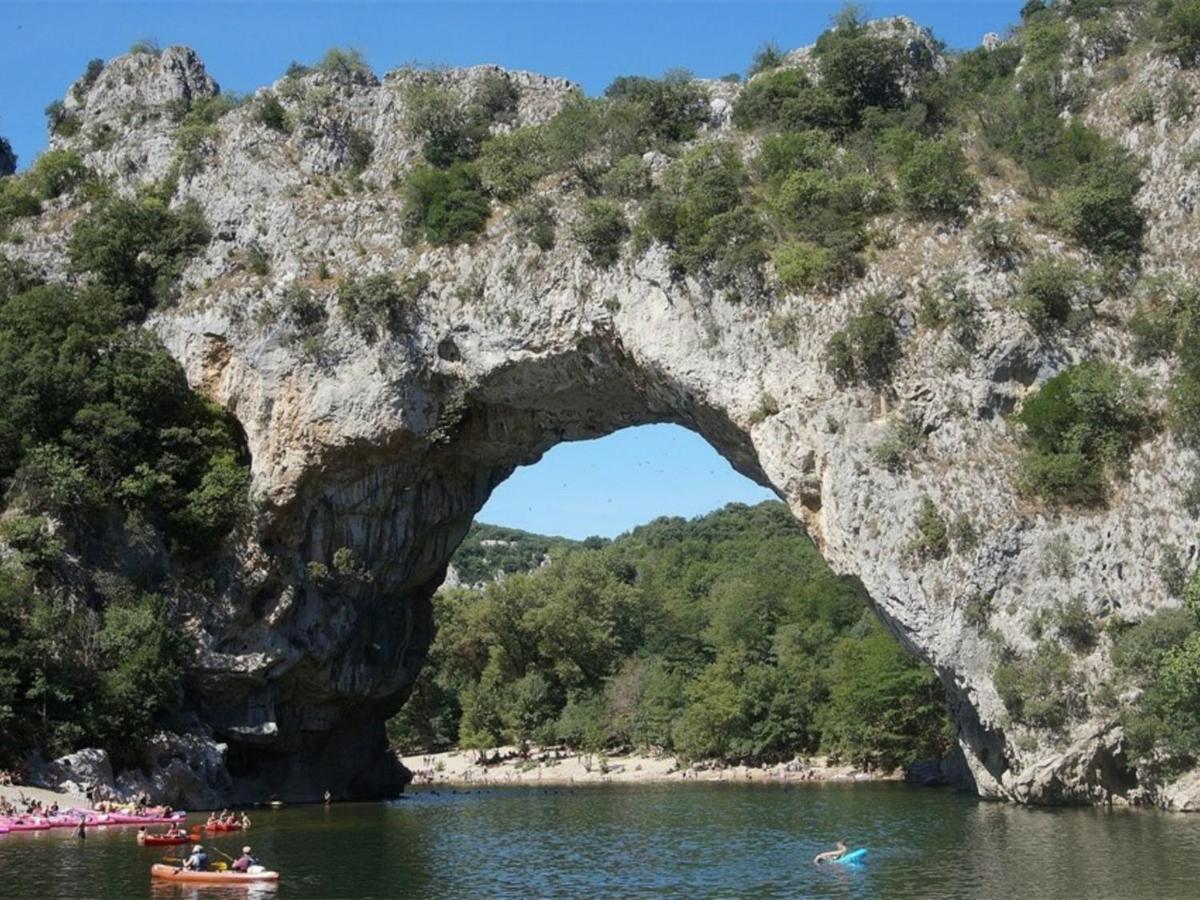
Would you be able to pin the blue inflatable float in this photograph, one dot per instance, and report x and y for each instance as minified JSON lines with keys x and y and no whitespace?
{"x":854,"y":857}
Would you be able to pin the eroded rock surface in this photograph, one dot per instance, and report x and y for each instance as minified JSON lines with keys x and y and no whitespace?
{"x":385,"y":449}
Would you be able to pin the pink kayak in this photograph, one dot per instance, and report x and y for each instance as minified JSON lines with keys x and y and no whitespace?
{"x":31,"y":825}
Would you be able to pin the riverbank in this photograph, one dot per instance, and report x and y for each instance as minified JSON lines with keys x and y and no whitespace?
{"x":65,"y":799}
{"x":558,"y":767}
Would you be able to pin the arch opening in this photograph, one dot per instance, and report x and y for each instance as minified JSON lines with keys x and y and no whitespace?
{"x":378,"y":536}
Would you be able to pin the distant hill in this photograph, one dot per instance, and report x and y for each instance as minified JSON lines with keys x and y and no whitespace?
{"x":491,"y":549}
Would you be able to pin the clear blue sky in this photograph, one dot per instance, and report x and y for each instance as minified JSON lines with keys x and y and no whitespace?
{"x":611,"y":484}
{"x":44,"y":45}
{"x":597,"y":487}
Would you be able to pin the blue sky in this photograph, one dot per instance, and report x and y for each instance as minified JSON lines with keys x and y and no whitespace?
{"x":611,"y":484}
{"x":595,"y":487}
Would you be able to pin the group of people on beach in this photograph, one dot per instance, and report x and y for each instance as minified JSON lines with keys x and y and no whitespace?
{"x":10,"y":810}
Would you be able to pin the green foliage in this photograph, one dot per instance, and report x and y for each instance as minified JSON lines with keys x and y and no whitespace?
{"x":904,"y":440}
{"x":669,"y":110}
{"x":535,"y":220}
{"x":90,"y":76}
{"x":601,"y":229}
{"x":948,"y":304}
{"x":1179,"y":31}
{"x":345,"y":64}
{"x":1139,"y":108}
{"x":1098,"y":210}
{"x":629,"y":178}
{"x":1161,"y":655}
{"x":861,"y":71}
{"x":931,"y":538}
{"x":56,"y":172}
{"x":136,"y":248}
{"x":359,"y":150}
{"x":885,"y":708}
{"x":1048,"y":293}
{"x":802,"y":264}
{"x":768,"y":56}
{"x":147,"y":45}
{"x":490,"y":549}
{"x":61,"y":121}
{"x":379,"y":302}
{"x":511,"y":164}
{"x":998,"y":240}
{"x":1082,"y":424}
{"x":8,"y":159}
{"x":710,"y":638}
{"x":868,"y":348}
{"x":1039,"y":691}
{"x":935,"y":180}
{"x":197,"y":131}
{"x":454,"y":130}
{"x":449,"y":206}
{"x":17,"y":200}
{"x":269,"y":112}
{"x":787,"y":100}
{"x":1076,"y":625}
{"x":75,"y":677}
{"x":702,"y":214}
{"x":95,"y":416}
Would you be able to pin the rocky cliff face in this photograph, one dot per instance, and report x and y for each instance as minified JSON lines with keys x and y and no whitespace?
{"x":370,"y":457}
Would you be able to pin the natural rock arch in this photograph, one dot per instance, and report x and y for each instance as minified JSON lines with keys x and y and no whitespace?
{"x":371,"y":455}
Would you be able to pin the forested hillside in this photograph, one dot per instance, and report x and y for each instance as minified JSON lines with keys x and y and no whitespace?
{"x":490,"y":550}
{"x":724,"y":637}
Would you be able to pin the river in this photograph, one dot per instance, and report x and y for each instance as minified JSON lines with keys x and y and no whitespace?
{"x":702,"y":840}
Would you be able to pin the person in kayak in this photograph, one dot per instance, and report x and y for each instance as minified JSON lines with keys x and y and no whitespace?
{"x":831,"y":855}
{"x":198,"y":861}
{"x":244,"y":862}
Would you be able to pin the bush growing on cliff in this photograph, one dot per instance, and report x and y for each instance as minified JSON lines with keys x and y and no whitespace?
{"x":867,"y":349}
{"x":931,"y":539}
{"x":449,"y":206}
{"x":1048,"y":293}
{"x":269,"y":112}
{"x":380,"y":302}
{"x":1081,"y":426}
{"x":1179,"y":31}
{"x":1161,"y":655}
{"x":511,"y":164}
{"x":56,"y":172}
{"x":1039,"y":690}
{"x":8,"y":159}
{"x":601,"y":229}
{"x":136,"y":248}
{"x":786,"y":99}
{"x":668,"y":110}
{"x":702,"y":215}
{"x":935,"y":180}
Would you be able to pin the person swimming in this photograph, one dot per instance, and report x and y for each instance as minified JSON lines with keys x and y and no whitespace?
{"x":831,"y":855}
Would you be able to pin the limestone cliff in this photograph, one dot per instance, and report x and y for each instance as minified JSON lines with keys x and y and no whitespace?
{"x":371,"y":454}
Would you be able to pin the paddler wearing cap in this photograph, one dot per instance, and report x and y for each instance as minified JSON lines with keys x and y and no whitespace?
{"x":244,"y":862}
{"x":198,"y":861}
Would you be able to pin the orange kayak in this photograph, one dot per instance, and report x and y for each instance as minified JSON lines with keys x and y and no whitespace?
{"x":170,"y":873}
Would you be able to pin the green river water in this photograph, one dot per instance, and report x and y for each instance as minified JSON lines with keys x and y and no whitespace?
{"x":703,"y":840}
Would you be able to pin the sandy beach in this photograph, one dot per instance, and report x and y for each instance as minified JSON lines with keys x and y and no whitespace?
{"x":557,"y":767}
{"x":64,"y":799}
